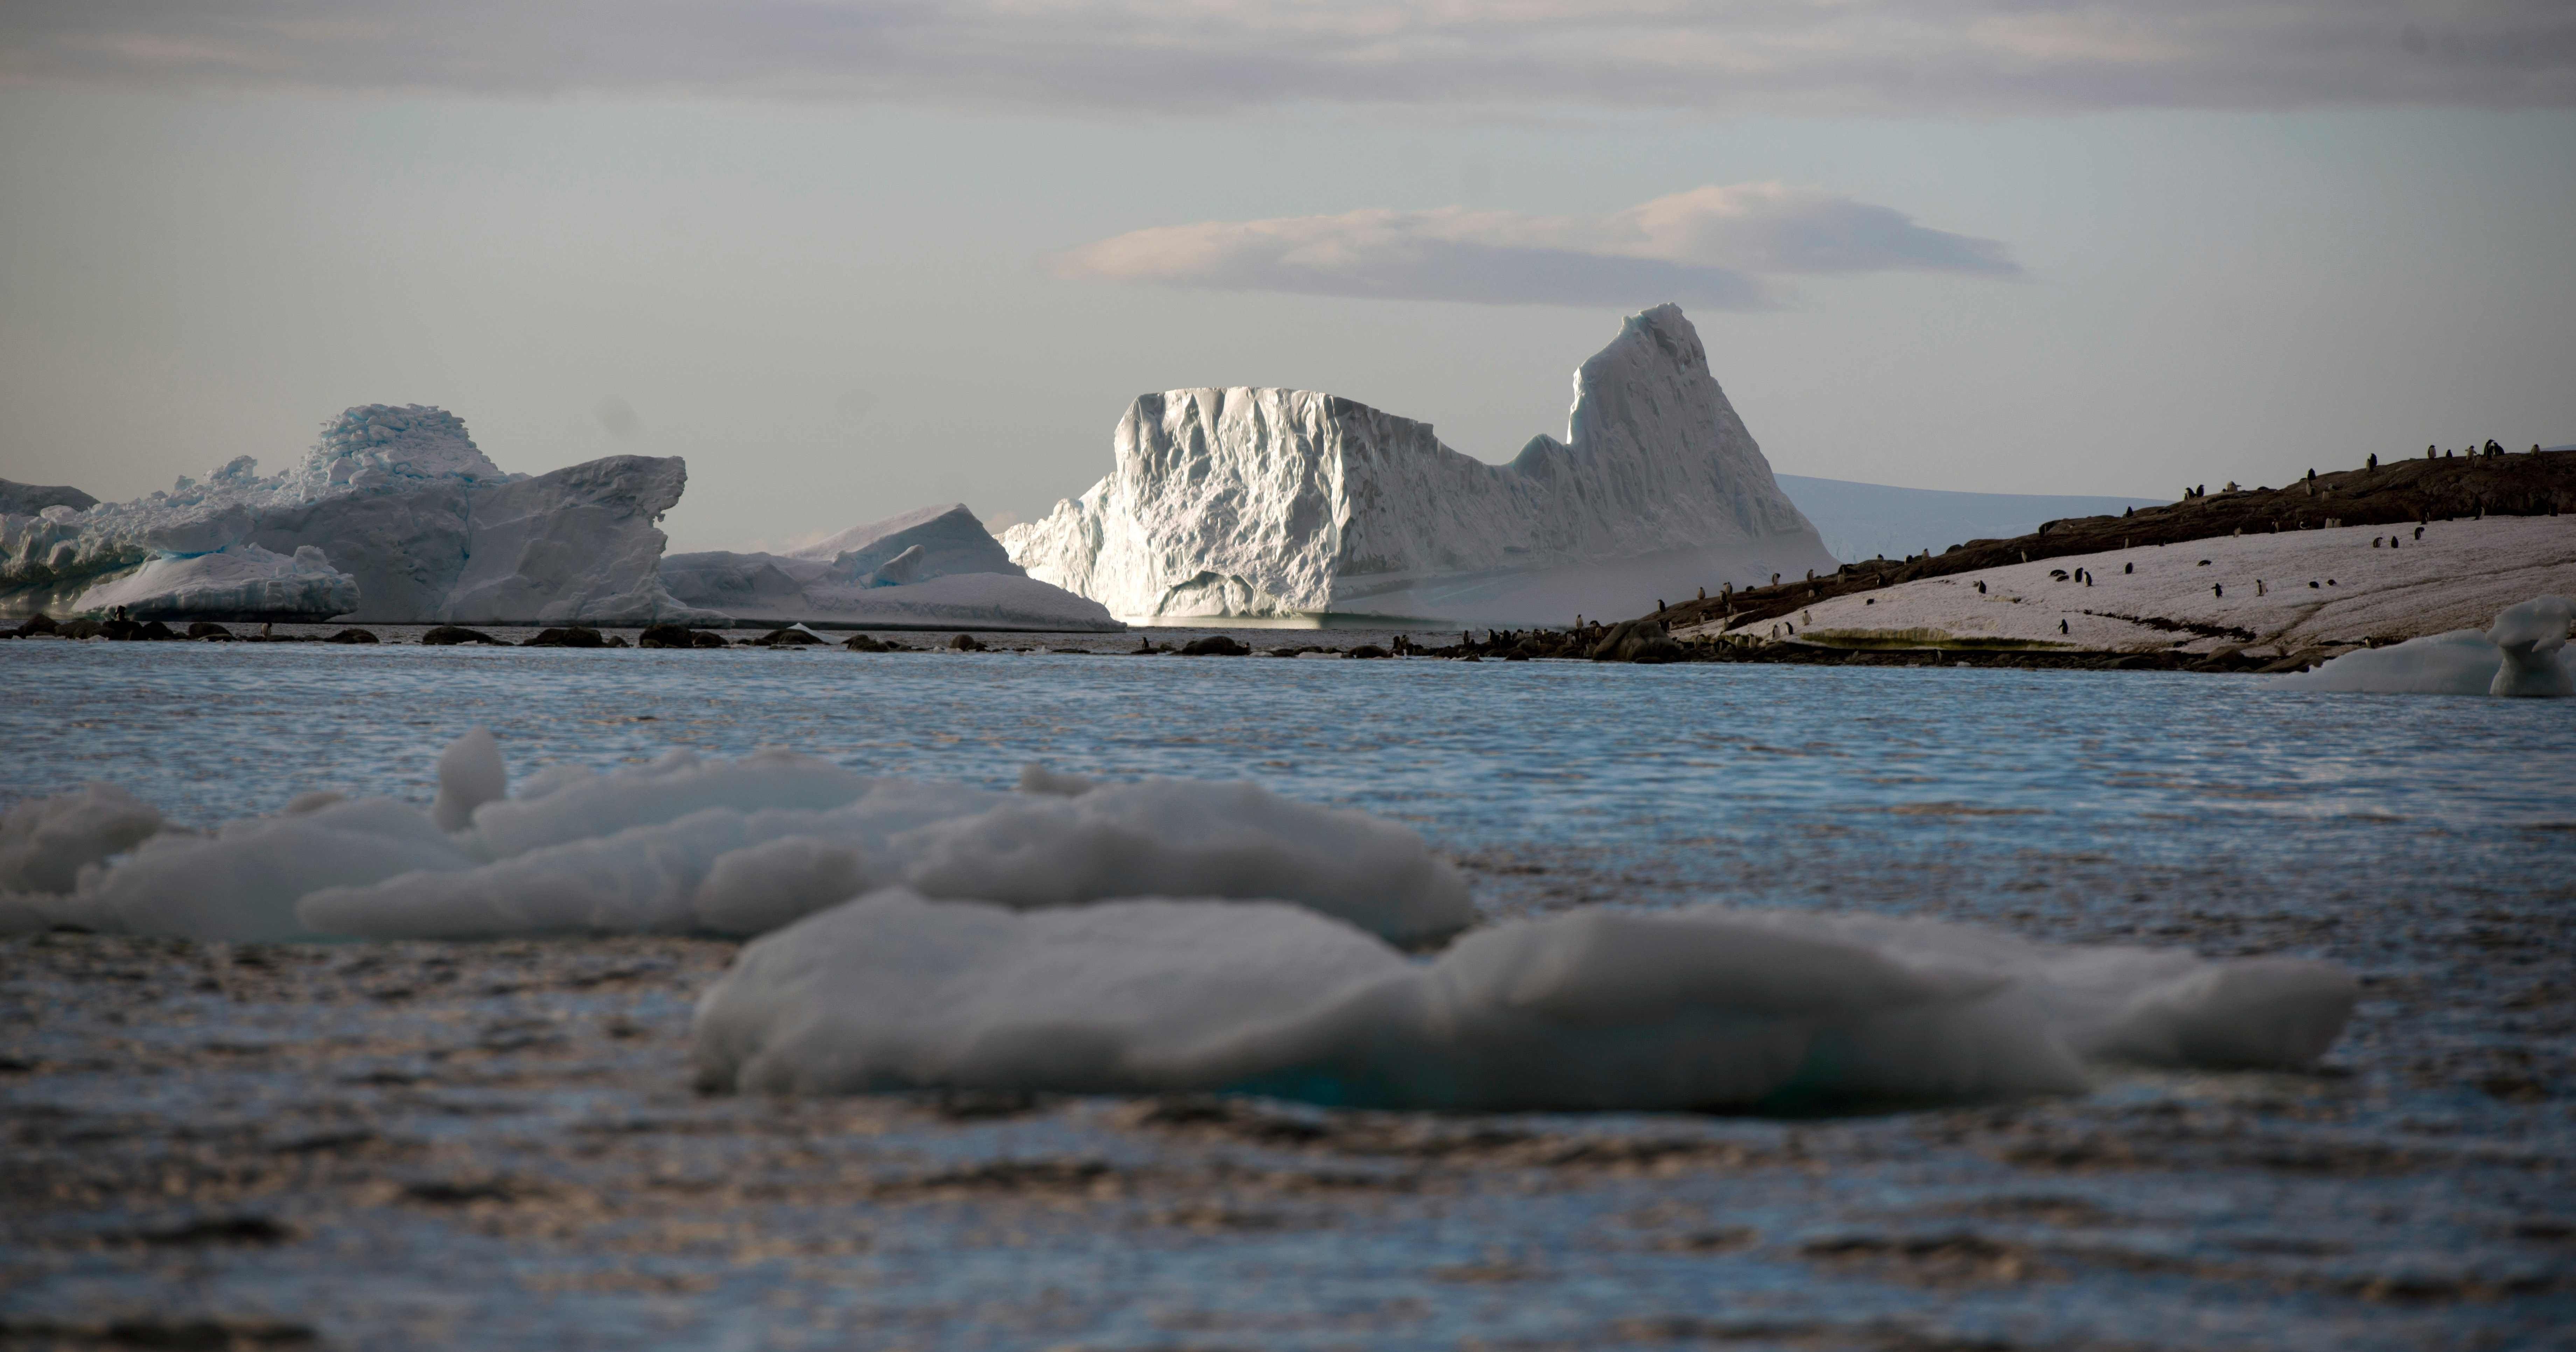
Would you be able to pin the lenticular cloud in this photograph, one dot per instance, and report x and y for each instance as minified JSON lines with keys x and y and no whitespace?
{"x":1712,"y":246}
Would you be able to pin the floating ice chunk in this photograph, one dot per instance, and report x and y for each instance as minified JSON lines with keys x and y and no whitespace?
{"x":1701,"y":1008}
{"x":45,"y":842}
{"x":574,"y":804}
{"x":242,"y":882}
{"x":2530,"y":640}
{"x":895,"y":992}
{"x":645,"y":879}
{"x":2525,"y":652}
{"x":1169,"y":837}
{"x":470,"y":774}
{"x":746,"y":846}
{"x":2462,"y":662}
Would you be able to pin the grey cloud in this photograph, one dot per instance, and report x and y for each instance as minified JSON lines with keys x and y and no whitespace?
{"x":1710,"y":247}
{"x":1796,"y":56}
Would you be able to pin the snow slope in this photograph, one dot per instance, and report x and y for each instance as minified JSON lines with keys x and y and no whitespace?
{"x":1593,"y":1009}
{"x":934,"y":567}
{"x":2459,"y":575}
{"x":1272,"y":502}
{"x":400,"y":502}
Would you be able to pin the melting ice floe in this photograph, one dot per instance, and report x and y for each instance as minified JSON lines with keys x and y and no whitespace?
{"x":1081,"y":936}
{"x":726,"y":847}
{"x":1595,"y":1009}
{"x":2525,"y":652}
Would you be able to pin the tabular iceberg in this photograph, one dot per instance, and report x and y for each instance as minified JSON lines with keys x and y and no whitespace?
{"x":934,"y":567}
{"x":394,"y":516}
{"x":1271,"y":502}
{"x":1710,"y":1007}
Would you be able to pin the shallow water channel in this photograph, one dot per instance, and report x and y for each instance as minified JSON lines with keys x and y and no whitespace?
{"x":429,"y":1145}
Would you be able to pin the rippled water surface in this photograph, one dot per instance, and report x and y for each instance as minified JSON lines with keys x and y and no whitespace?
{"x":2415,"y":1195}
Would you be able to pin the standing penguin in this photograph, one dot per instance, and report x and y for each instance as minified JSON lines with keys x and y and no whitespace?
{"x":2218,"y":589}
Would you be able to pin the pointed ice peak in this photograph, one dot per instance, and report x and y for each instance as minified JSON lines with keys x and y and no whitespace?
{"x":374,"y":444}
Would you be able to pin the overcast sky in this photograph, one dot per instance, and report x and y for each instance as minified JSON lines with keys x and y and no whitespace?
{"x":853,"y":258}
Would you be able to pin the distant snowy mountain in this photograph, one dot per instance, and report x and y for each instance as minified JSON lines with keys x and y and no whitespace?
{"x":1277,"y":503}
{"x":1865,"y":521}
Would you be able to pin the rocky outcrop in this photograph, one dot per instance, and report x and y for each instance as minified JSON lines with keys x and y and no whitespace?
{"x":1279,"y":502}
{"x":17,"y":499}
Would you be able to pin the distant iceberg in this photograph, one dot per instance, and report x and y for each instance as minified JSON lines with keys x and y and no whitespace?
{"x":934,"y":567}
{"x":394,"y":516}
{"x":1274,"y":502}
{"x":1706,"y":1008}
{"x":2524,"y":653}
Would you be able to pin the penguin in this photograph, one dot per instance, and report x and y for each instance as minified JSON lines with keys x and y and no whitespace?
{"x":2218,"y":589}
{"x":2128,"y":567}
{"x":1981,"y":589}
{"x":2061,"y":627}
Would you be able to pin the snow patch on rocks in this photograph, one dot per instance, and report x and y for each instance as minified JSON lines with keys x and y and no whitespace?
{"x":2255,"y":590}
{"x":1275,"y":502}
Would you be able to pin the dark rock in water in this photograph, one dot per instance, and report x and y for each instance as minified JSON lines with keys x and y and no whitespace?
{"x":618,"y":641}
{"x":1215,"y":645}
{"x":1638,"y":641}
{"x":83,"y":628}
{"x":861,"y":643}
{"x":208,"y":629}
{"x":574,"y":636}
{"x":790,"y":637}
{"x":1366,"y":650}
{"x":154,"y":629}
{"x":666,"y":636}
{"x":446,"y":634}
{"x":38,"y":623}
{"x":352,"y":636}
{"x":122,"y":630}
{"x":965,"y":643}
{"x":707,"y":638}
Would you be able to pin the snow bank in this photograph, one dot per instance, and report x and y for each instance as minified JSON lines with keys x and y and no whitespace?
{"x":685,"y":845}
{"x":1274,"y":502}
{"x":936,"y":567}
{"x":1703,"y":1008}
{"x":2524,"y":653}
{"x":415,"y":521}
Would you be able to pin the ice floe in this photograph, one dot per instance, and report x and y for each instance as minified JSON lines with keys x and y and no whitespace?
{"x":685,"y":845}
{"x":2524,"y":653}
{"x":1595,"y":1009}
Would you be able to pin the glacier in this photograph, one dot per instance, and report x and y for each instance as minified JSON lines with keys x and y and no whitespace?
{"x":1283,"y":503}
{"x":394,"y":516}
{"x":1595,"y":1009}
{"x":2524,"y":653}
{"x":933,"y":567}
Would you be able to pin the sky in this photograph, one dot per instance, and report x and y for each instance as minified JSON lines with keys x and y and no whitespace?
{"x":851,"y":259}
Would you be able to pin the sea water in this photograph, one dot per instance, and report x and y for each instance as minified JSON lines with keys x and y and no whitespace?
{"x":2415,"y":1194}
